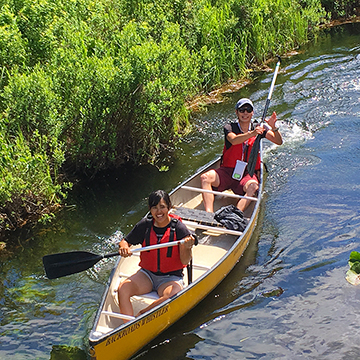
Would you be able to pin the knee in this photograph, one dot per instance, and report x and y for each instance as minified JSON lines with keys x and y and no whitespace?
{"x":124,"y":290}
{"x":206,"y":178}
{"x":252,"y":189}
{"x":171,"y":290}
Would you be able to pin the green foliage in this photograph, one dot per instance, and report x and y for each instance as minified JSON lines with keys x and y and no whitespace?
{"x":354,"y":258}
{"x":353,"y":274}
{"x":340,"y":8}
{"x":27,"y":172}
{"x":100,"y":82}
{"x":164,"y":75}
{"x":33,"y":18}
{"x":355,"y":267}
{"x":31,"y":104}
{"x":12,"y":45}
{"x":274,"y":27}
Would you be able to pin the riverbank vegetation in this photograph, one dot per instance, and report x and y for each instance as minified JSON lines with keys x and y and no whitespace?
{"x":87,"y":85}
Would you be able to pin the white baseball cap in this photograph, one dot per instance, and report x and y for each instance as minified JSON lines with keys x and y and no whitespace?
{"x":243,"y":102}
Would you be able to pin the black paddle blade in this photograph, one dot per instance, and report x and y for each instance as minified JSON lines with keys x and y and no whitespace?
{"x":63,"y":264}
{"x":253,"y":156}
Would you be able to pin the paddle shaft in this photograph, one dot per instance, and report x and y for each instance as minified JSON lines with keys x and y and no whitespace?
{"x":267,"y":104}
{"x":148,"y":248}
{"x":256,"y":145}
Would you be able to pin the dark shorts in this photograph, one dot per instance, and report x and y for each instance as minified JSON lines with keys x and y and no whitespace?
{"x":227,"y":182}
{"x":158,"y":280}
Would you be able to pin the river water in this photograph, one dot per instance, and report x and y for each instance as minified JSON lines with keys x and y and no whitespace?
{"x":287,"y":298}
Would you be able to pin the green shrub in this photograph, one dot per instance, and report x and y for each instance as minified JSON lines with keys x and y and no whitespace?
{"x":340,"y":8}
{"x":31,"y":104}
{"x":12,"y":45}
{"x":34,"y":19}
{"x":27,"y":186}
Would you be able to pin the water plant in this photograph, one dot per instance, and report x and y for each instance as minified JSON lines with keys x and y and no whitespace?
{"x":353,"y":274}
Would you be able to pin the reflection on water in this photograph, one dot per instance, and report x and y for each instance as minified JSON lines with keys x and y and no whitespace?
{"x":61,"y":352}
{"x":287,"y":297}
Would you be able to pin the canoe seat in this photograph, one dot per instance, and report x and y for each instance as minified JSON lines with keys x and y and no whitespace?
{"x":201,"y":219}
{"x":153,"y":295}
{"x":199,"y":216}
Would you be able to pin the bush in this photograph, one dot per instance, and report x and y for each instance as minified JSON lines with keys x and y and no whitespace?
{"x":340,"y":8}
{"x":12,"y":45}
{"x":31,"y":104}
{"x":27,"y":186}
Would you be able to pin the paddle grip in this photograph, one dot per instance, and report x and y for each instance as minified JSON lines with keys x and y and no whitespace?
{"x":196,"y":239}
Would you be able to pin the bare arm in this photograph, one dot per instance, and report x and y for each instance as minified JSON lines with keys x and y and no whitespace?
{"x":240,"y":138}
{"x":185,"y":249}
{"x":273,"y":134}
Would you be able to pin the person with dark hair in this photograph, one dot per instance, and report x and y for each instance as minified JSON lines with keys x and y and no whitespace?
{"x":160,"y":270}
{"x":239,"y":139}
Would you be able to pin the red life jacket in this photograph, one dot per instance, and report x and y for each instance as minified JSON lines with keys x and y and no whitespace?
{"x":161,"y":260}
{"x":235,"y":152}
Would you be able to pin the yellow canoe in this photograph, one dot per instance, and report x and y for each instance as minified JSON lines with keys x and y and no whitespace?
{"x":218,"y":251}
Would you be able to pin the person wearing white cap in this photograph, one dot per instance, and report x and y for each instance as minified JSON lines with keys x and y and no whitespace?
{"x":239,"y":138}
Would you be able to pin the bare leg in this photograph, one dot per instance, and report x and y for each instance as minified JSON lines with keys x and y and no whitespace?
{"x":209,"y":179}
{"x":165,"y":291}
{"x":136,"y":284}
{"x":250,"y":188}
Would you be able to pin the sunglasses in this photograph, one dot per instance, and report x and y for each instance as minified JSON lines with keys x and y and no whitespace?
{"x":248,"y":109}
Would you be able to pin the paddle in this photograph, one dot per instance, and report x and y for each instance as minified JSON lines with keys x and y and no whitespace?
{"x":67,"y":263}
{"x":256,"y":146}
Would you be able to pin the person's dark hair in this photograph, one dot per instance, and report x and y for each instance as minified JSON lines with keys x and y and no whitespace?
{"x":156,"y":196}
